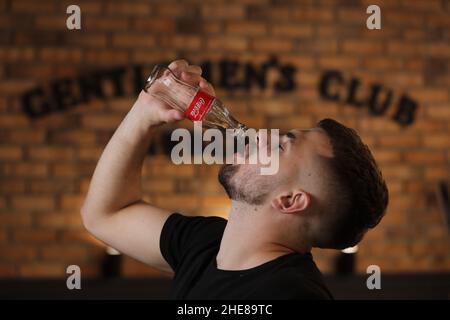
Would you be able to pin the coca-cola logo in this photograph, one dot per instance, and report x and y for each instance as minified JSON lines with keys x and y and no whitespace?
{"x":200,"y":103}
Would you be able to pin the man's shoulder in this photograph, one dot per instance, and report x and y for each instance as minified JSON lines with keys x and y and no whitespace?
{"x":196,"y":223}
{"x":198,"y":230}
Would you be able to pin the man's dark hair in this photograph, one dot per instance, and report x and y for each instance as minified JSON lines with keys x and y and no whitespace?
{"x":361,"y":191}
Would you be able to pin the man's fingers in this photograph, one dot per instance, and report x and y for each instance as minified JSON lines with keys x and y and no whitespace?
{"x":178,"y":64}
{"x":191,"y":78}
{"x":197,"y":80}
{"x":194,"y":69}
{"x":207,"y":87}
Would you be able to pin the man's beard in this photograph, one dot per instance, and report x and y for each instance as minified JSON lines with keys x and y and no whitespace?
{"x":247,"y":190}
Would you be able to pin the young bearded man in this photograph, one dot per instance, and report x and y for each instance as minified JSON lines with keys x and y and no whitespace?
{"x":327,"y":193}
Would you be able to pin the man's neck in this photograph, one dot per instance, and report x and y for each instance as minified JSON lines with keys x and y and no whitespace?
{"x":250,"y":239}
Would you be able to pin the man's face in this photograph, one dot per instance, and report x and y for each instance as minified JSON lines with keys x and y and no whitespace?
{"x":299,"y":152}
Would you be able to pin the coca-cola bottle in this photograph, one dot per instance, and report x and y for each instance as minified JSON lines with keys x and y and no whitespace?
{"x":196,"y":104}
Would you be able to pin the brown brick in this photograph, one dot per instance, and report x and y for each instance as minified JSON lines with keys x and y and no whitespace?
{"x":59,"y":220}
{"x":60,"y":55}
{"x":362,"y":47}
{"x":175,"y":10}
{"x":382,"y":63}
{"x":8,"y":270}
{"x":352,"y":16}
{"x":310,"y":14}
{"x":172,"y":170}
{"x":30,"y":6}
{"x":438,"y":173}
{"x":177,"y":202}
{"x":73,"y":202}
{"x":246,"y":28}
{"x":227,"y":43}
{"x":292,"y":30}
{"x":323,"y":47}
{"x":15,"y":219}
{"x":154,"y":25}
{"x":98,"y":24}
{"x":34,"y":236}
{"x":338,"y":62}
{"x":51,"y":22}
{"x":9,"y":87}
{"x":27,"y":137}
{"x":292,"y":122}
{"x":106,"y":57}
{"x":51,"y":153}
{"x":34,"y":202}
{"x":50,"y":186}
{"x":76,"y":137}
{"x":439,"y":112}
{"x":186,"y":42}
{"x":131,"y":40}
{"x":400,"y":172}
{"x":437,"y":141}
{"x":43,"y":269}
{"x":18,"y":252}
{"x":12,"y":186}
{"x":438,"y":49}
{"x":26,"y":170}
{"x":25,"y":70}
{"x":84,"y":185}
{"x":222,"y":11}
{"x":158,"y":186}
{"x":86,"y":6}
{"x":274,"y":107}
{"x":215,"y":201}
{"x":400,"y":17}
{"x":102,"y":121}
{"x":425,"y":157}
{"x":405,"y":79}
{"x":3,"y":236}
{"x":395,"y":187}
{"x":65,"y":252}
{"x":90,"y":153}
{"x":128,"y":8}
{"x":10,"y":153}
{"x":17,"y":54}
{"x":276,"y":45}
{"x":386,"y":156}
{"x":405,"y":49}
{"x":80,"y":236}
{"x":85,"y":40}
{"x":65,"y":170}
{"x":379,"y":124}
{"x":399,"y":141}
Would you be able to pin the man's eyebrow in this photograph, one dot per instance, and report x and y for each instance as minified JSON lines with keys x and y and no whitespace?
{"x":290,"y":135}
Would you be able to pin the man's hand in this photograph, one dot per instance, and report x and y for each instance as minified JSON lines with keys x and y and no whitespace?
{"x":156,"y":112}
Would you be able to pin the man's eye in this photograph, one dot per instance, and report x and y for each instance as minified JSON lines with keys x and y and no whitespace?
{"x":281,"y":147}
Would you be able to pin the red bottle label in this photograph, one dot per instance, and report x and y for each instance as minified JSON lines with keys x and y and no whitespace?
{"x":199,"y":106}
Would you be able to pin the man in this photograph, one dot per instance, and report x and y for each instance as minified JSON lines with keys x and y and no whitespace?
{"x":327,"y":193}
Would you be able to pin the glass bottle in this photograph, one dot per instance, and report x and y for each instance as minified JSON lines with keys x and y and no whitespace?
{"x":196,"y":104}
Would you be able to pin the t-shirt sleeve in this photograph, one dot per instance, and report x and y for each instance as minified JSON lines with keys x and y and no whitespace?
{"x":187,"y":235}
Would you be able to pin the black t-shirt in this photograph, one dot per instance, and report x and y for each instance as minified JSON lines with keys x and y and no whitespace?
{"x":190,"y":246}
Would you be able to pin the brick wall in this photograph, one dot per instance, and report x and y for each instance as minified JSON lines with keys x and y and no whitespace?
{"x":46,"y":163}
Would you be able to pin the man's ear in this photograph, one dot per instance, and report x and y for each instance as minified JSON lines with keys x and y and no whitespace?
{"x":291,"y":202}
